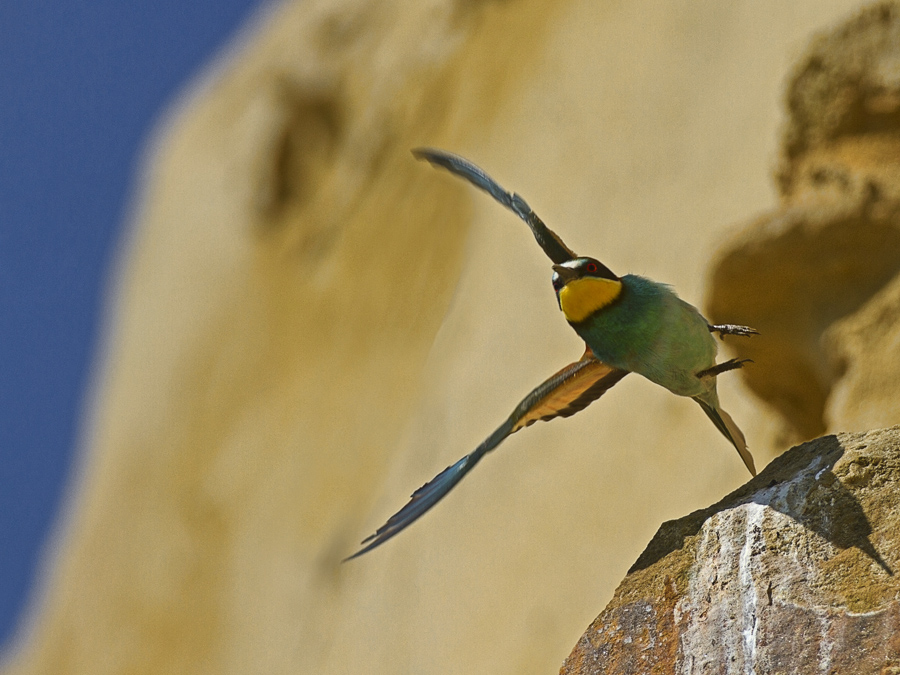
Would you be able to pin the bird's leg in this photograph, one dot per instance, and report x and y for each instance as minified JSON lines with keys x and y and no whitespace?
{"x":719,"y":368}
{"x":724,"y":329}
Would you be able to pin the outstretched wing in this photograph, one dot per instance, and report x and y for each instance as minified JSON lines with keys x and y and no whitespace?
{"x":548,"y":240}
{"x":571,"y":389}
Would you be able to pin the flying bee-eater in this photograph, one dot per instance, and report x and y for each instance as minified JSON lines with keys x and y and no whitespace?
{"x":629,"y":324}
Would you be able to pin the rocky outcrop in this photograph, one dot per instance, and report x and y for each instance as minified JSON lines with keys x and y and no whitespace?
{"x":815,"y":275}
{"x":796,"y":572}
{"x":863,"y":348}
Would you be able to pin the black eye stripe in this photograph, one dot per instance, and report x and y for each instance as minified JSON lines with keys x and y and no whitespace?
{"x":595,"y":268}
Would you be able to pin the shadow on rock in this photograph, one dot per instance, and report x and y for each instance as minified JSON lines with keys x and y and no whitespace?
{"x":801,"y":484}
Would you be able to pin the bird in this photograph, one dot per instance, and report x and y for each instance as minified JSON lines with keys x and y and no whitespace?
{"x":629,"y":324}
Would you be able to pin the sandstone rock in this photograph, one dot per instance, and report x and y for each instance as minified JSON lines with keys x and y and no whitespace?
{"x":796,"y":572}
{"x":847,"y":86}
{"x":834,"y":243}
{"x":791,"y":275}
{"x":863,"y":348}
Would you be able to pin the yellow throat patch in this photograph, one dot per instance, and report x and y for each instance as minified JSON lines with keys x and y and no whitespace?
{"x":580,"y":298}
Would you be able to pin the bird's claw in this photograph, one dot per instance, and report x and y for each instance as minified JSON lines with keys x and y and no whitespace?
{"x":724,"y":329}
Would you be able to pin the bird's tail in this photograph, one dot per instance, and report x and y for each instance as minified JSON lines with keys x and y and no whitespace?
{"x":730,"y":430}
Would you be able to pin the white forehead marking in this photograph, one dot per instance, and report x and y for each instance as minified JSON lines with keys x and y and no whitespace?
{"x":571,"y":263}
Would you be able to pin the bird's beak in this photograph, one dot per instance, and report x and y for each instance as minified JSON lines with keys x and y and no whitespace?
{"x":563,"y":274}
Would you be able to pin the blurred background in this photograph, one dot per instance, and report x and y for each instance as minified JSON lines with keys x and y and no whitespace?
{"x":83,"y":86}
{"x":241,"y":323}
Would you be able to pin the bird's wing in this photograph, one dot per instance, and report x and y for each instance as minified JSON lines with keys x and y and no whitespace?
{"x":548,"y":240}
{"x":565,"y":393}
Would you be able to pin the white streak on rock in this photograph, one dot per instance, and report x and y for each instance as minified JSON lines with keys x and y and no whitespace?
{"x":720,"y":626}
{"x":755,"y":514}
{"x":825,"y":647}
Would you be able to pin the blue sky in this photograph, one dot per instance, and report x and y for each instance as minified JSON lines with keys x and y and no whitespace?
{"x":81,"y":85}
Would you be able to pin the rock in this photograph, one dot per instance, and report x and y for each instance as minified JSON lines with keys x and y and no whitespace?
{"x":833,"y":245}
{"x":847,"y":86}
{"x":795,"y":572}
{"x":863,"y":349}
{"x":791,"y":275}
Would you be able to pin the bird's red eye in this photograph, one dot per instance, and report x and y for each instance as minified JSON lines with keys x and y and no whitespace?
{"x":591,"y":267}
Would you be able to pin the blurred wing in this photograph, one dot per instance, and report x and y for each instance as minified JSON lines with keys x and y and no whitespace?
{"x":548,"y":240}
{"x":571,"y":389}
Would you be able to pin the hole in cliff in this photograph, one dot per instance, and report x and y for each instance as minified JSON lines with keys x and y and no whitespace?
{"x":302,"y":131}
{"x":304,"y":151}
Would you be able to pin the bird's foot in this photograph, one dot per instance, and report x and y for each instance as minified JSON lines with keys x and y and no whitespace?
{"x":719,"y":368}
{"x":724,"y":329}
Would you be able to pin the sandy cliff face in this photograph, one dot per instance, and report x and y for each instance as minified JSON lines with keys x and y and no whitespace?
{"x":309,"y":324}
